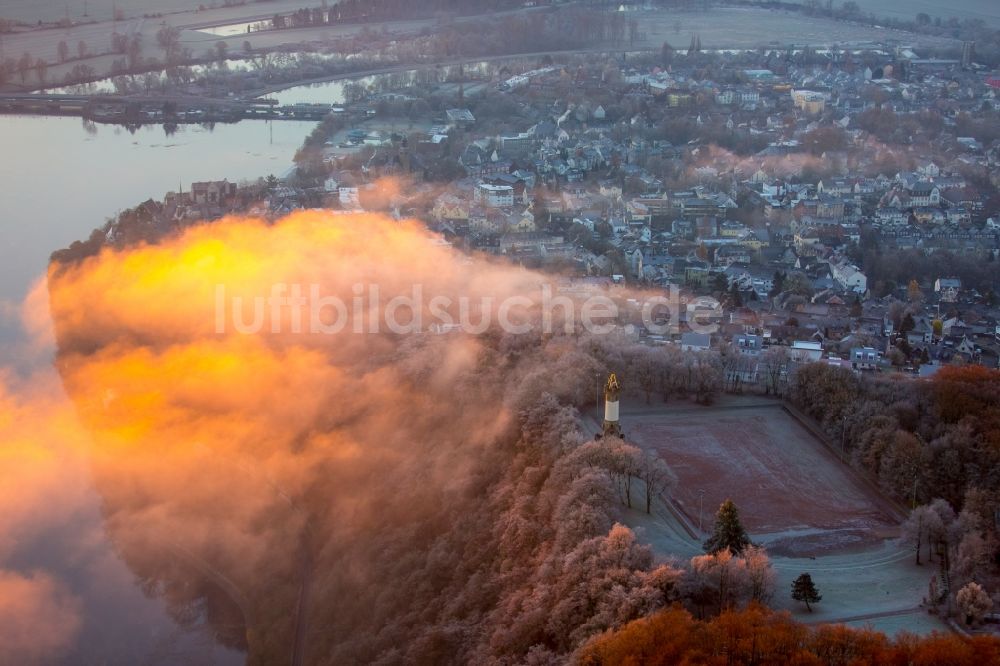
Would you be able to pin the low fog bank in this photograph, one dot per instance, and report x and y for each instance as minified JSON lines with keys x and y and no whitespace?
{"x":346,"y":498}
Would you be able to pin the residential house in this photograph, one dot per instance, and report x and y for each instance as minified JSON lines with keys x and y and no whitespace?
{"x":748,"y":344}
{"x":805,"y":351}
{"x":214,"y":192}
{"x":921,"y":333}
{"x":449,"y":207}
{"x":948,"y":289}
{"x":849,"y":277}
{"x":696,"y":342}
{"x":864,"y":358}
{"x":495,"y":196}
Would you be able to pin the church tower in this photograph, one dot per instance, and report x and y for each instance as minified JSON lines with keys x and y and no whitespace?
{"x":611,"y":391}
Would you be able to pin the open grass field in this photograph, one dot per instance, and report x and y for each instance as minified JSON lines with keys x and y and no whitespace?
{"x":745,"y":27}
{"x":987,"y":11}
{"x":793,"y":493}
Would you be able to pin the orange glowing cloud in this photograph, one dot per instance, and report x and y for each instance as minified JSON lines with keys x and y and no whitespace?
{"x":43,"y":488}
{"x":218,"y":454}
{"x":43,"y":477}
{"x":170,"y":292}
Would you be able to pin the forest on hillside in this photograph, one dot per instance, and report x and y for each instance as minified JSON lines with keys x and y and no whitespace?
{"x":934,"y":445}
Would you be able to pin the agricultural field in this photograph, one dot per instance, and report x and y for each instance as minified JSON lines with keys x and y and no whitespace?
{"x":983,"y":10}
{"x":744,"y":27}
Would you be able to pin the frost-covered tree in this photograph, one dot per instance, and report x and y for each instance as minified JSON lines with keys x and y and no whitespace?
{"x":719,"y":581}
{"x":620,"y":461}
{"x":974,"y":603}
{"x":972,"y":557}
{"x":943,"y":527}
{"x":760,"y":574}
{"x":915,"y":529}
{"x":655,"y":475}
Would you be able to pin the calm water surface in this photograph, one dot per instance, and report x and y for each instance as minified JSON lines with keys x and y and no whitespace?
{"x":60,"y":180}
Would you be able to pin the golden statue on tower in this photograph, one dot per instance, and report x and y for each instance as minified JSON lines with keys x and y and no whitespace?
{"x":611,"y":390}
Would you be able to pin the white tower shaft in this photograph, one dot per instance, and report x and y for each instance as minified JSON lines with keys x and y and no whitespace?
{"x":611,"y":411}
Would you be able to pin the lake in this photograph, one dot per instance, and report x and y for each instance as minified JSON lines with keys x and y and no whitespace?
{"x":329,"y":92}
{"x":61,"y":180}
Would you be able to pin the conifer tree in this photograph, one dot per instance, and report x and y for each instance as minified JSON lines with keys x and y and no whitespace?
{"x":803,"y":589}
{"x":666,"y":53}
{"x":728,"y":532}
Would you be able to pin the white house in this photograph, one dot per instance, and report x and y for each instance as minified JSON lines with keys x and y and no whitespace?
{"x":495,"y":196}
{"x":929,"y":169}
{"x":924,"y":193}
{"x":849,"y":277}
{"x":805,"y":351}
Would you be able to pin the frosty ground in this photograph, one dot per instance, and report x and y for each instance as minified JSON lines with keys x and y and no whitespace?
{"x":796,"y":497}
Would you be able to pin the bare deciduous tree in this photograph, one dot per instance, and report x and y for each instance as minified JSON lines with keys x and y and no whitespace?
{"x":915,"y":529}
{"x":41,"y":70}
{"x":760,"y":574}
{"x":23,"y":65}
{"x":655,"y":475}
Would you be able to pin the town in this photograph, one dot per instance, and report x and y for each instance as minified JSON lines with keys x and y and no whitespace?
{"x":841,"y":205}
